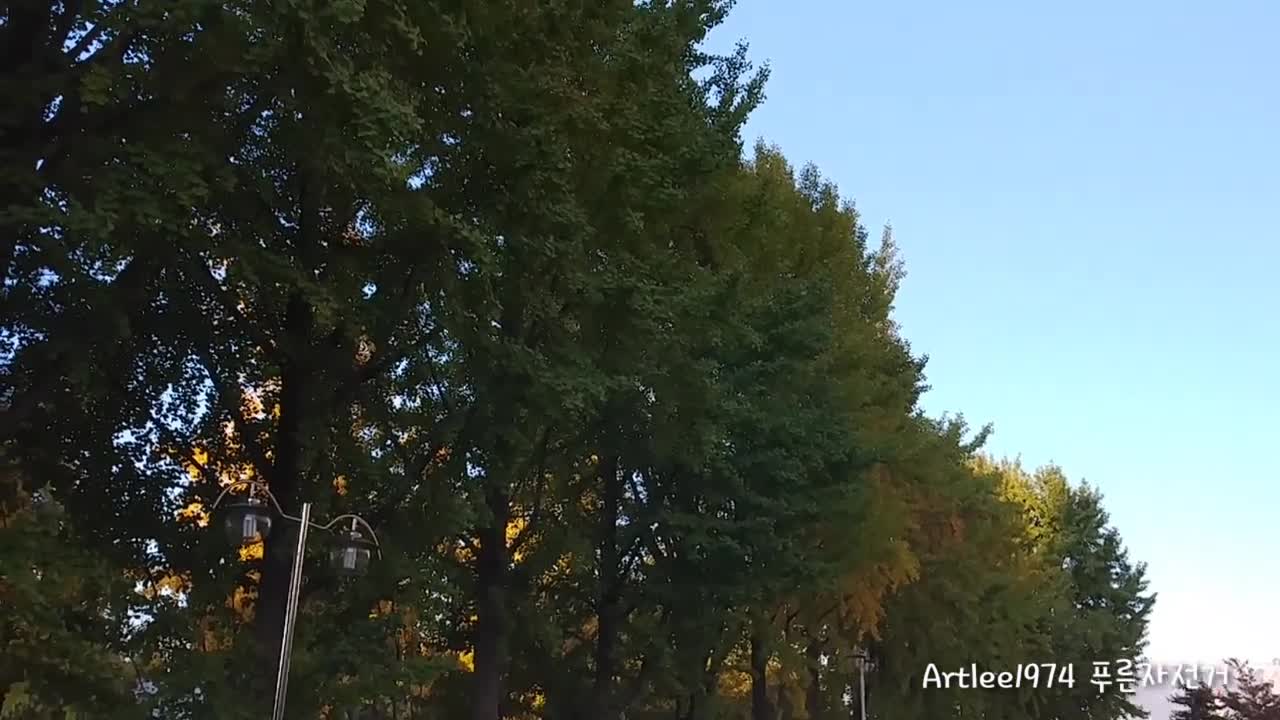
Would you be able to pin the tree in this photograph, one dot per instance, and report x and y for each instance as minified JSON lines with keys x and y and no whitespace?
{"x":857,"y":552}
{"x":1103,"y":606}
{"x":1198,"y":703}
{"x":1062,"y":588}
{"x":65,"y":625}
{"x":582,"y":165}
{"x":1251,"y":697}
{"x":976,"y":579}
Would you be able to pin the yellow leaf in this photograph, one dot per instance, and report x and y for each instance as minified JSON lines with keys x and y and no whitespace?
{"x":514,"y":527}
{"x":242,"y":601}
{"x":173,"y":584}
{"x":194,"y":512}
{"x":251,"y":552}
{"x":252,"y":407}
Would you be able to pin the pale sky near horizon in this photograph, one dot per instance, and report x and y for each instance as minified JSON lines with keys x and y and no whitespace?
{"x":1083,"y":194}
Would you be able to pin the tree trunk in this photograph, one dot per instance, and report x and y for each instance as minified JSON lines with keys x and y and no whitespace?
{"x":609,"y":597}
{"x":761,"y":705}
{"x":298,"y":414}
{"x":786,"y":705}
{"x":704,"y":699}
{"x":284,"y":479}
{"x":492,"y":626}
{"x":813,"y":694}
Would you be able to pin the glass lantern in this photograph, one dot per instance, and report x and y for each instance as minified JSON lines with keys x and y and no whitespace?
{"x":351,"y":553}
{"x":247,"y":521}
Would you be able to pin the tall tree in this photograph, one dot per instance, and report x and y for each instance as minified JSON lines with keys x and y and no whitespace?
{"x":1198,"y":702}
{"x":1104,"y":605}
{"x":583,"y":148}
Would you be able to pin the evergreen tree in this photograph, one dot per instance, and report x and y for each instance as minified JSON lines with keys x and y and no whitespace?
{"x":1250,"y":696}
{"x":1198,"y":703}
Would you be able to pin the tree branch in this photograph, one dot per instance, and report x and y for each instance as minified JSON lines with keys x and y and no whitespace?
{"x":383,"y":358}
{"x":539,"y":486}
{"x":70,"y":9}
{"x":206,"y":281}
{"x":117,"y":48}
{"x":233,"y":400}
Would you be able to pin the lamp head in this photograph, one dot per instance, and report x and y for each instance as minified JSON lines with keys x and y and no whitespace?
{"x":247,"y":521}
{"x":351,"y":553}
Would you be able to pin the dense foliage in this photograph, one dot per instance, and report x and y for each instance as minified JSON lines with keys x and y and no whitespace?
{"x":1248,"y":696}
{"x":626,"y":404}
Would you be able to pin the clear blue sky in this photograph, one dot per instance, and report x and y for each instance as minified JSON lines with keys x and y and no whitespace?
{"x":1086,"y":196}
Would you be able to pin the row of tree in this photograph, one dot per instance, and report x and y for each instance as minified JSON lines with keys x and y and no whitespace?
{"x":629,"y":410}
{"x":1249,"y":696}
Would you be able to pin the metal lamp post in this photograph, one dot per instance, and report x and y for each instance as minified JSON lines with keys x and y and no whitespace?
{"x":250,"y":520}
{"x":863,"y":660}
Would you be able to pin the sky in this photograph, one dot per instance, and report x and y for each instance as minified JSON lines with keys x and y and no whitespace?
{"x":1085,"y":197}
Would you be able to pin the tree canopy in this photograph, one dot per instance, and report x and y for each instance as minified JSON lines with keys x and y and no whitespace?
{"x":625,"y":400}
{"x":1247,"y":695}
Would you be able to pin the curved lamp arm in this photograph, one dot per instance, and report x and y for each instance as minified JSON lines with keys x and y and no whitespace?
{"x":252,"y":486}
{"x":328,"y":527}
{"x":355,"y":519}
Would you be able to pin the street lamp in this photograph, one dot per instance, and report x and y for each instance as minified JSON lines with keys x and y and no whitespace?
{"x":351,"y":553}
{"x":249,"y":520}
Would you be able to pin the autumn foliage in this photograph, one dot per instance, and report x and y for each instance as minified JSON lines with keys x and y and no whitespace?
{"x":625,"y":400}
